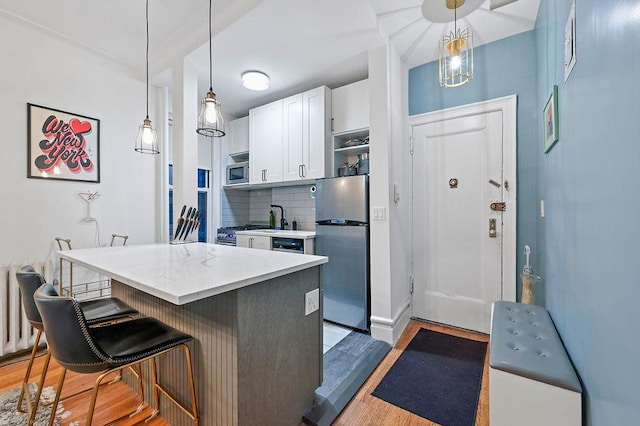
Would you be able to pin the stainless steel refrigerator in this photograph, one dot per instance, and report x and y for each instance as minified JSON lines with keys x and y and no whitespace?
{"x":342,"y":234}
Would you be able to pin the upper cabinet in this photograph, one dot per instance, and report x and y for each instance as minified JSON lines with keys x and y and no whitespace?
{"x":265,"y":143}
{"x":306,"y":134}
{"x":289,"y":138}
{"x":239,"y":141}
{"x":350,"y":107}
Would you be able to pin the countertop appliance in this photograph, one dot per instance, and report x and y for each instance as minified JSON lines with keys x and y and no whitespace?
{"x":342,"y":234}
{"x":238,"y":173}
{"x":227,"y":235}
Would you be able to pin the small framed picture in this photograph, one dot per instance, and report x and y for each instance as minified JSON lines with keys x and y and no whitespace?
{"x":62,"y":145}
{"x":550,"y":117}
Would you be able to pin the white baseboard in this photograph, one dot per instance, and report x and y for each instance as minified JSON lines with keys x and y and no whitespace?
{"x":390,"y":329}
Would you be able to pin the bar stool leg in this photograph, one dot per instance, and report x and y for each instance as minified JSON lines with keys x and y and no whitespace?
{"x":194,"y":407}
{"x":25,"y":382}
{"x":137,"y":370}
{"x":156,"y":395}
{"x":54,"y":406}
{"x":45,"y":367}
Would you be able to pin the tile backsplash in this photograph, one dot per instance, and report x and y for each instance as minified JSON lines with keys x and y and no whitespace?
{"x":242,"y":207}
{"x":235,"y":207}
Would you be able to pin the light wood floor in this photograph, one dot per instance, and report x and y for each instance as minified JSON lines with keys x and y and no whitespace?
{"x":117,"y":399}
{"x":114,"y":400}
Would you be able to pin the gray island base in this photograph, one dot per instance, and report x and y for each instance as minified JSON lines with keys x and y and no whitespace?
{"x":257,"y":357}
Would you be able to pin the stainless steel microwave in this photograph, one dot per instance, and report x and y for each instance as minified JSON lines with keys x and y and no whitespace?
{"x":238,"y":173}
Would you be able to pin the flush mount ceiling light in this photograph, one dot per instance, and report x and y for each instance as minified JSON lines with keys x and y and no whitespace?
{"x":456,"y":52}
{"x":210,"y":120}
{"x":255,"y":80}
{"x":147,"y":140}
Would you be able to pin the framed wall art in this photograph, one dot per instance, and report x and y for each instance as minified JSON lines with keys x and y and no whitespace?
{"x":62,"y":145}
{"x":550,"y":117}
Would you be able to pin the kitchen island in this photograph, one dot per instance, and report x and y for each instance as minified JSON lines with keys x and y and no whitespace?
{"x":257,"y":357}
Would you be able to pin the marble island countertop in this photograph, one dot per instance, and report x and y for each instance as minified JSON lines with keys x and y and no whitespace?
{"x":185,"y":273}
{"x":305,"y":235}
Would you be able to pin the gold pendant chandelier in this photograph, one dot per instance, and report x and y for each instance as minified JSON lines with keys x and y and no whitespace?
{"x":456,"y":52}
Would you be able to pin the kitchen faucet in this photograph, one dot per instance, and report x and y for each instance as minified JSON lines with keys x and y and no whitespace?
{"x":283,"y":222}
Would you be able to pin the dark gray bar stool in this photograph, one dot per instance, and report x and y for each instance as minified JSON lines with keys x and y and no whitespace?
{"x":96,"y":312}
{"x":81,"y":349}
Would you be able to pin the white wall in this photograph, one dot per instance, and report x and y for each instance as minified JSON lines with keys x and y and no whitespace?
{"x":380,"y":257}
{"x":400,"y":175}
{"x":41,"y":69}
{"x":390,"y":164}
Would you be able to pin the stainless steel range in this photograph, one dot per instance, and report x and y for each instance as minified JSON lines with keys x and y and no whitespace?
{"x":227,"y":235}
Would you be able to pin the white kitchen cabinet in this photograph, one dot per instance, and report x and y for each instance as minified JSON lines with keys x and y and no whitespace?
{"x":239,"y":141}
{"x":350,"y":107}
{"x":306,"y":133}
{"x":267,"y":239}
{"x":265,"y":143}
{"x":254,"y":241}
{"x":292,"y":155}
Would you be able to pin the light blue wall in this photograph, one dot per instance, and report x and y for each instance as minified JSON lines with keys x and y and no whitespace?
{"x":588,"y":245}
{"x":590,"y":179}
{"x":502,"y":68}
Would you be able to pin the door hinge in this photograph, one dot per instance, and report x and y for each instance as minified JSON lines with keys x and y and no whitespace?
{"x":498,"y":207}
{"x":411,"y":145}
{"x":411,"y":284}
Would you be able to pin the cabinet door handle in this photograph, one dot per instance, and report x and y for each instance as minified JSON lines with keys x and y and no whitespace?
{"x":301,"y":170}
{"x":264,"y":175}
{"x":251,"y":242}
{"x":304,"y":170}
{"x":332,"y":128}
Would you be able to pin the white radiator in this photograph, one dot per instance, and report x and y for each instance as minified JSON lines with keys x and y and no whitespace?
{"x":17,"y":334}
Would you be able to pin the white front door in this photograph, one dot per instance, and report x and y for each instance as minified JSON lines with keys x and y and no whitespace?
{"x":458,"y":242}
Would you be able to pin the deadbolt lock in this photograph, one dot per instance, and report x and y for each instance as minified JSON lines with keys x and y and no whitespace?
{"x":498,"y":207}
{"x":493,"y":232}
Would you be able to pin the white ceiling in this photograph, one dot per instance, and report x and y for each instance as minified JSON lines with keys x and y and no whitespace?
{"x":298,"y":43}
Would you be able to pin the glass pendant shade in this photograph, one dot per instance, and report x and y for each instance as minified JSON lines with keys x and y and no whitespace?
{"x":210,"y":120}
{"x":456,"y":52}
{"x":147,"y":140}
{"x":456,"y":58}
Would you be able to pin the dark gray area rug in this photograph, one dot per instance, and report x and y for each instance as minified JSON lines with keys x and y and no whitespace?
{"x":9,"y":402}
{"x":347,"y":366}
{"x":437,"y":377}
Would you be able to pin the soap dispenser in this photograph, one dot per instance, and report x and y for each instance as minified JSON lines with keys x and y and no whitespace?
{"x":272,"y":220}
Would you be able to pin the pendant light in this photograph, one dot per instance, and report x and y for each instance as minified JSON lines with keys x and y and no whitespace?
{"x":456,"y":52}
{"x":147,"y":140}
{"x":210,"y":121}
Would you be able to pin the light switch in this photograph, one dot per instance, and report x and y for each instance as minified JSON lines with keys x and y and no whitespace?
{"x":378,"y":213}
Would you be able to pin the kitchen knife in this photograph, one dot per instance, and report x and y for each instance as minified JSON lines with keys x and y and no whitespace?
{"x":184,"y":224}
{"x":188,"y":223}
{"x":180,"y":223}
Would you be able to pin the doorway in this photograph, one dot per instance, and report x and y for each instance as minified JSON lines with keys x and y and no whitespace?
{"x":464,"y":212}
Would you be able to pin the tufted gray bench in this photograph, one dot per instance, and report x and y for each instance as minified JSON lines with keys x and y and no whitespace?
{"x":531,"y":379}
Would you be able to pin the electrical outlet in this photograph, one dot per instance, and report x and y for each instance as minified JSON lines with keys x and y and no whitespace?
{"x":311,"y":301}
